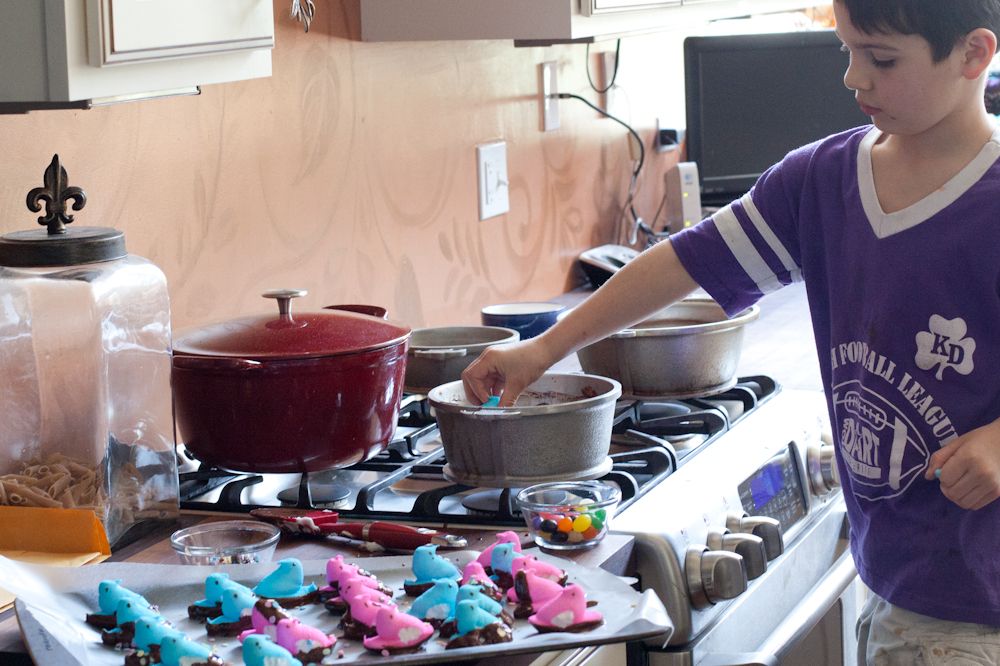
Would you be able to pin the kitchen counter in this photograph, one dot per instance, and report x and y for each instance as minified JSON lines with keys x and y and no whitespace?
{"x":614,"y":554}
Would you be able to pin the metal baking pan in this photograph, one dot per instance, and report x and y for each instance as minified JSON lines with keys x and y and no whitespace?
{"x":53,"y":601}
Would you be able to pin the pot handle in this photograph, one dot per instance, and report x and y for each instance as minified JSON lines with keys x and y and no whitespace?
{"x":440,"y":354}
{"x":370,"y":310}
{"x":492,"y":413}
{"x":206,"y":363}
{"x":284,"y":298}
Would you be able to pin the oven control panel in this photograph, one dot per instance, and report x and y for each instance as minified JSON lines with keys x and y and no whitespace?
{"x":775,"y":490}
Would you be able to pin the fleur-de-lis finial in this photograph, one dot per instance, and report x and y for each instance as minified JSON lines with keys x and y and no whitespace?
{"x":55,"y":194}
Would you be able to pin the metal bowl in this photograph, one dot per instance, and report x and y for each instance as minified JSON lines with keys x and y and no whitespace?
{"x":689,"y":349}
{"x":559,"y":429}
{"x":439,"y":355}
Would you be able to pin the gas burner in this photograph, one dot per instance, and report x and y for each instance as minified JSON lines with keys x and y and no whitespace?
{"x":489,"y":502}
{"x":322,"y":495}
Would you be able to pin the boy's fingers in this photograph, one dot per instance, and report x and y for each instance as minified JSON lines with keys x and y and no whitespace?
{"x":940,"y":457}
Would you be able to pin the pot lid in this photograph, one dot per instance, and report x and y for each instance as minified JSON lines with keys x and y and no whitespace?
{"x":284,"y":335}
{"x":57,"y":244}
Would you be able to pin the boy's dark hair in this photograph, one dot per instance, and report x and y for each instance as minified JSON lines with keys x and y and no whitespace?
{"x":941,"y":22}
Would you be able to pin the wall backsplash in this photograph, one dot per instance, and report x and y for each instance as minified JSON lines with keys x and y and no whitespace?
{"x":351,"y":172}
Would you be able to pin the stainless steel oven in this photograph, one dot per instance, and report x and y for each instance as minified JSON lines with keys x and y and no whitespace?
{"x":747,"y":546}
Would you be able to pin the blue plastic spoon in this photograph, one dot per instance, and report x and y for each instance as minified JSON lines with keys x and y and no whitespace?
{"x":494,"y":401}
{"x":937,"y":473}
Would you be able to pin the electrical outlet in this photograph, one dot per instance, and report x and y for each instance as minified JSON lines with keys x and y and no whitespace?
{"x":547,"y":87}
{"x":494,"y":196}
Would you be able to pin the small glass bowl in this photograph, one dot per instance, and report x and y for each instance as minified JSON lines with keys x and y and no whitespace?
{"x":226,"y":542}
{"x":570,"y":514}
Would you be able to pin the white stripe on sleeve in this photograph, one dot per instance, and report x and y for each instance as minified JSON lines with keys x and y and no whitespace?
{"x":744,"y":251}
{"x":768,"y":235}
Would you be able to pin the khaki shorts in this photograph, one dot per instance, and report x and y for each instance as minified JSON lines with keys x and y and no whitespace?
{"x":891,"y":636}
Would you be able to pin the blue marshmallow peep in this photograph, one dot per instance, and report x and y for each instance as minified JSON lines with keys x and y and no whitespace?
{"x":259,"y":650}
{"x":428,"y":566}
{"x":180,"y":651}
{"x":470,"y":617}
{"x":285,"y":581}
{"x":236,"y":602}
{"x":438,"y":602}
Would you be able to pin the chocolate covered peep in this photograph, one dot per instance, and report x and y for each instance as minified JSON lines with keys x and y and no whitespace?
{"x":502,"y":564}
{"x":566,"y":612}
{"x":306,"y":643}
{"x":437,"y":604}
{"x":262,"y":651}
{"x":150,"y":630}
{"x":128,"y":611}
{"x":180,"y":651}
{"x":474,"y":626}
{"x":237,"y":609}
{"x":359,"y":621}
{"x":396,"y":631}
{"x":339,"y":572}
{"x":539,"y":568}
{"x":486,"y":556}
{"x":531,"y":591}
{"x":428,"y":566}
{"x":109,"y":593}
{"x":264,"y":619}
{"x":475,"y":574}
{"x":356,"y":586}
{"x":211,"y":605}
{"x":285,"y":585}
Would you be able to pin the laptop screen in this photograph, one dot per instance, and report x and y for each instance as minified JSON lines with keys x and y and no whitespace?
{"x":750,"y":99}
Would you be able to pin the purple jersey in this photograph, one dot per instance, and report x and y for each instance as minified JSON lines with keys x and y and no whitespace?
{"x":904,"y":306}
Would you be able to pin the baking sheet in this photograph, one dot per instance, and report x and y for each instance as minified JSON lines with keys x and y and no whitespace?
{"x":53,"y":602}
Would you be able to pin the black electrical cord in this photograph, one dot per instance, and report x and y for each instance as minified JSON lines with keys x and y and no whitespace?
{"x":637,"y":221}
{"x":638,"y":140}
{"x":614,"y":75}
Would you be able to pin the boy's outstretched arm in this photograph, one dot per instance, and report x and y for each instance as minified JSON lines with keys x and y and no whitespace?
{"x":651,"y":281}
{"x":970,"y":467}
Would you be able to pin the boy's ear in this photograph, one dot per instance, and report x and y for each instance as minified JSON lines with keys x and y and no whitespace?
{"x":979,"y":47}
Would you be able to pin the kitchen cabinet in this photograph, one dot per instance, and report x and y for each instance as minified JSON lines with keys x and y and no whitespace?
{"x":76,"y":53}
{"x":532,"y":22}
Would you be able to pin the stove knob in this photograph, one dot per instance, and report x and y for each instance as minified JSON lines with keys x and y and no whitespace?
{"x":765,"y":527}
{"x":747,"y":546}
{"x":823,"y":475}
{"x":713,"y":575}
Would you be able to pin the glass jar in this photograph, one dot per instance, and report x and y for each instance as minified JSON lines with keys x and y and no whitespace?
{"x":85,"y":414}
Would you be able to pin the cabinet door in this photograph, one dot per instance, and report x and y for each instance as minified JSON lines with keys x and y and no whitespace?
{"x":128,"y":31}
{"x":594,"y":7}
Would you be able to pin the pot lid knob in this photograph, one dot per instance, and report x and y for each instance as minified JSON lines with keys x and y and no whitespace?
{"x":284,"y":298}
{"x":59,"y":245}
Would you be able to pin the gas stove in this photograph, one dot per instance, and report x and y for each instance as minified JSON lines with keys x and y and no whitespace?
{"x":406,"y":482}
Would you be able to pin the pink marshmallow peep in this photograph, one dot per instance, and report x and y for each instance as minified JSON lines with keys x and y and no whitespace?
{"x":359,"y":586}
{"x":540,"y":590}
{"x":397,"y":630}
{"x":261,"y":623}
{"x":364,"y":610}
{"x":474,"y":573}
{"x":538,"y":567}
{"x":565,"y":611}
{"x":297,"y":637}
{"x":485,"y":557}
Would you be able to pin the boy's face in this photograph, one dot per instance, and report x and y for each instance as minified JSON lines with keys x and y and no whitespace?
{"x":896,"y":81}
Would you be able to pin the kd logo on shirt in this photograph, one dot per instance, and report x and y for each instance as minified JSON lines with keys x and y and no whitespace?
{"x":945,"y":346}
{"x":878,"y":444}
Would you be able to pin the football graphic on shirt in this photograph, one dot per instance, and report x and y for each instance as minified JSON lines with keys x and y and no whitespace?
{"x":880,"y":447}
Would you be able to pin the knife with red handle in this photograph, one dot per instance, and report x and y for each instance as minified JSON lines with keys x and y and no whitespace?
{"x":385,"y":534}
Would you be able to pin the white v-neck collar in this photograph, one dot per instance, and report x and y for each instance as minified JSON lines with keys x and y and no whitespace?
{"x":886,"y":224}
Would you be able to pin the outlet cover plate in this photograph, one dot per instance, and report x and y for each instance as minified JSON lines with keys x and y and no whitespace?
{"x":548,"y":85}
{"x":492,"y":172}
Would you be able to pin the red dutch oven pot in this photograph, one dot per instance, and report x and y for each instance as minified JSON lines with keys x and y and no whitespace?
{"x":286,"y":393}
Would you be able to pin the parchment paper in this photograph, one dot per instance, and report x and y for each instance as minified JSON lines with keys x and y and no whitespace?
{"x":53,"y":602}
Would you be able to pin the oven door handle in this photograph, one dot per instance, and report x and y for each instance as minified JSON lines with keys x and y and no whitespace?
{"x":799,"y":622}
{"x":808,"y":613}
{"x":740,"y":659}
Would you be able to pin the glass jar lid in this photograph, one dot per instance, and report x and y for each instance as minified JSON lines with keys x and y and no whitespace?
{"x":57,"y":244}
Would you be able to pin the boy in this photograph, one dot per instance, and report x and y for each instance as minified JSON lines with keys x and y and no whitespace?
{"x":895,"y":230}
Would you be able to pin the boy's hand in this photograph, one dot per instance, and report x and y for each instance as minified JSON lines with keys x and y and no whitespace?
{"x":970,"y":467}
{"x":505,"y":370}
